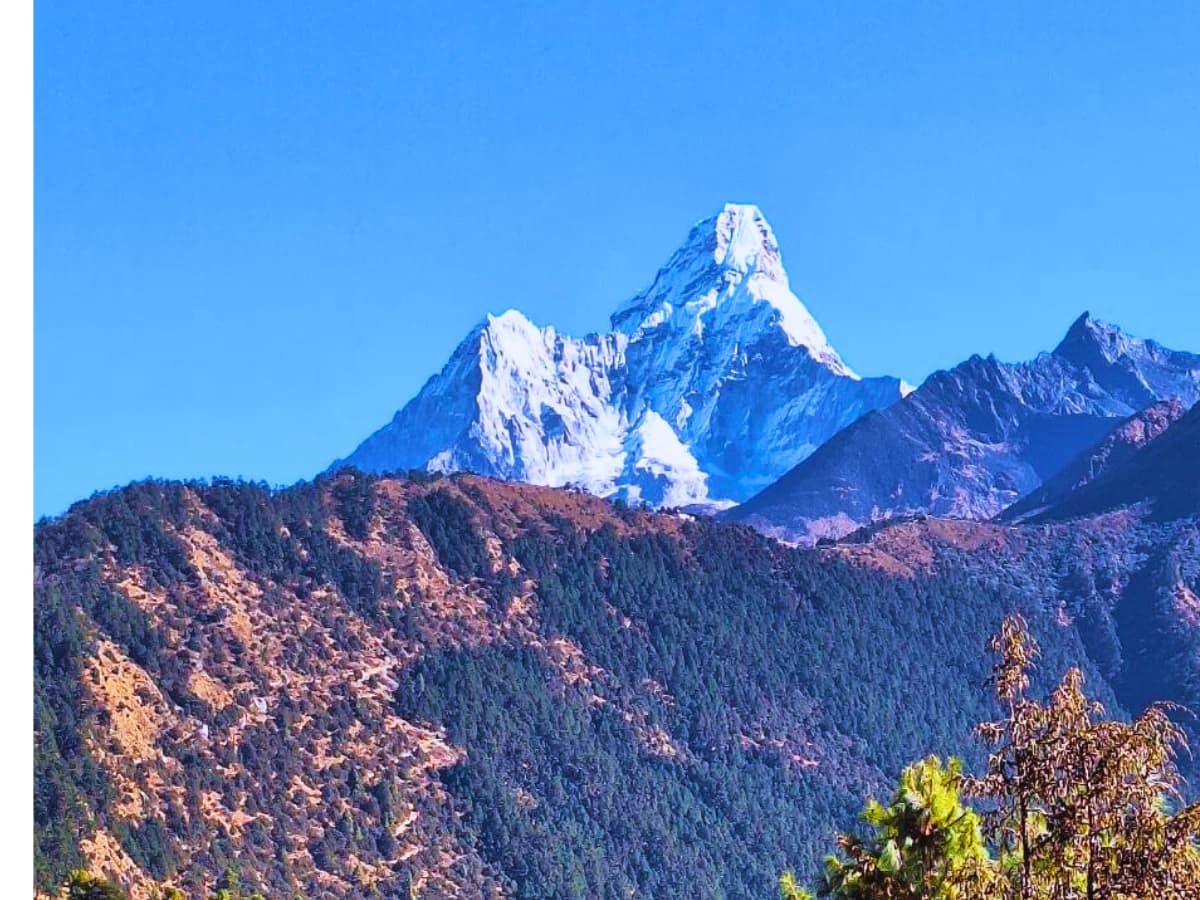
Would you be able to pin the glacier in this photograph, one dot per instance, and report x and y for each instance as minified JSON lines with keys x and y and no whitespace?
{"x":712,"y":383}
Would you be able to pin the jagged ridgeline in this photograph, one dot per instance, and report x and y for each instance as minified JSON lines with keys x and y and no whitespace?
{"x":988,"y":435}
{"x":712,"y":382}
{"x":461,"y":686}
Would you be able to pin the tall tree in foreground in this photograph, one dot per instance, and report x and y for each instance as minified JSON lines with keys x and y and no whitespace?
{"x":925,"y":843}
{"x":1077,"y":808}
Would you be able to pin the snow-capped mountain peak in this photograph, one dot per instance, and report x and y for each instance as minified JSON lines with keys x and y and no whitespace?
{"x":728,"y":277}
{"x":713,"y":382}
{"x":744,"y":241}
{"x":512,"y":328}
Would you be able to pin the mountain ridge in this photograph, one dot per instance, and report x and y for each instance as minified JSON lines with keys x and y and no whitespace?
{"x":1114,"y":449}
{"x":466,"y":686}
{"x":1161,"y":473}
{"x":972,"y":440}
{"x":713,"y":381}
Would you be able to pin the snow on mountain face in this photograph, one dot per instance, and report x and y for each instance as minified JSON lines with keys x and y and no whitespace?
{"x":727,"y":278}
{"x":713,"y":382}
{"x":517,"y":402}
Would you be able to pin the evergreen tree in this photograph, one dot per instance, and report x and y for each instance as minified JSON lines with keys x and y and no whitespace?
{"x":924,"y":844}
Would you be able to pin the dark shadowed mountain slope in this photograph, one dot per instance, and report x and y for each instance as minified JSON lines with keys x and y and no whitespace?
{"x":467,"y":687}
{"x":970,"y":441}
{"x":1114,"y":449}
{"x":1163,"y":475}
{"x":1127,"y":582}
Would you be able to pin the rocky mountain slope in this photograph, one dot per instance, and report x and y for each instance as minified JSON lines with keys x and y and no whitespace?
{"x":461,"y":686}
{"x":1113,"y":450}
{"x":971,"y":441}
{"x":1162,"y":476}
{"x":713,"y":382}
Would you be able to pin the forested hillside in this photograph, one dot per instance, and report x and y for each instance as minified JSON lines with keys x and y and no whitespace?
{"x":464,"y":686}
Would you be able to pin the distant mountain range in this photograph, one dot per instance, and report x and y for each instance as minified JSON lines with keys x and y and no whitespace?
{"x":1114,"y":449}
{"x":1161,"y":473}
{"x":971,"y":441}
{"x":713,"y":382}
{"x":717,"y":390}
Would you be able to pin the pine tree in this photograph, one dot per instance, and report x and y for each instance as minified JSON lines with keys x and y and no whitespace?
{"x":924,"y":844}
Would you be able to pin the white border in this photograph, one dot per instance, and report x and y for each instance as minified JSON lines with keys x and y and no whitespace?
{"x":16,"y":450}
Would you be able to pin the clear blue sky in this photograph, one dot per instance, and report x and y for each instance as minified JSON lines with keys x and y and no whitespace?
{"x":260,"y":226}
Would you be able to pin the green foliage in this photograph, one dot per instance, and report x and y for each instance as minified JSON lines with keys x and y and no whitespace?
{"x":447,"y":521}
{"x":66,"y":779}
{"x":62,"y":774}
{"x":82,"y":886}
{"x":924,"y":844}
{"x":790,"y":889}
{"x":275,"y":536}
{"x":748,"y":641}
{"x":229,"y":887}
{"x":1077,"y":807}
{"x":355,"y":499}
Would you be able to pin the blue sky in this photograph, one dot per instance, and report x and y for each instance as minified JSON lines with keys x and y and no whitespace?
{"x":260,"y":227}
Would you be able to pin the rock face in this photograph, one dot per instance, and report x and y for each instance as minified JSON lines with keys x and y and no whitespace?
{"x":713,"y":382}
{"x":971,"y":441}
